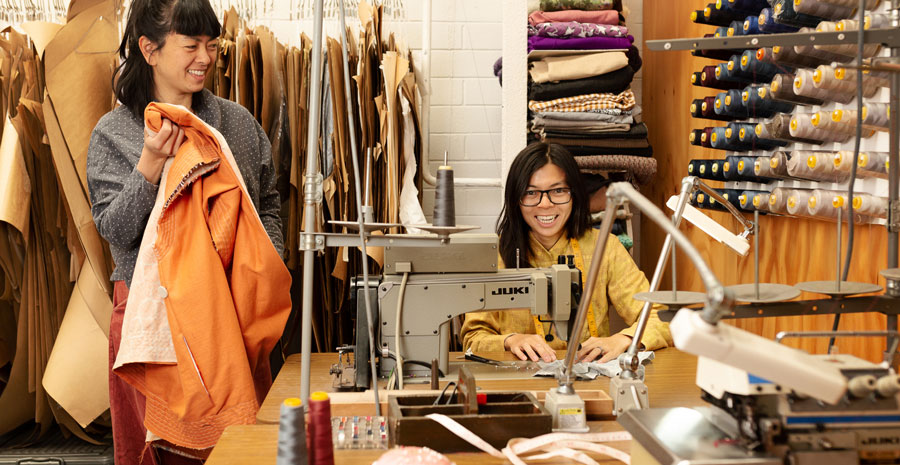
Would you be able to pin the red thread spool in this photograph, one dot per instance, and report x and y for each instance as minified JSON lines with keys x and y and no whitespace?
{"x":318,"y":432}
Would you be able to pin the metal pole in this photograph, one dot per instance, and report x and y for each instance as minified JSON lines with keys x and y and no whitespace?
{"x":629,"y":368}
{"x":312,"y":198}
{"x":354,"y":155}
{"x":837,"y":276}
{"x":893,"y":169}
{"x":756,"y":253}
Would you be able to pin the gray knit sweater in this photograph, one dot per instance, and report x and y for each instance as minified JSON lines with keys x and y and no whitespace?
{"x":121,"y":198}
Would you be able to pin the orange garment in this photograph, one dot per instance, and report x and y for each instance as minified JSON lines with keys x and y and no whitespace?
{"x":225,"y":288}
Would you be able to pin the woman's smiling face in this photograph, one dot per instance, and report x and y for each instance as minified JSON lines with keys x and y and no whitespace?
{"x":547,"y":219}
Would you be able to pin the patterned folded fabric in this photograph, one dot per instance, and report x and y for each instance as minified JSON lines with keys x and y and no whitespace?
{"x":555,"y":5}
{"x":587,"y":102}
{"x":595,"y":17}
{"x":579,"y":43}
{"x":641,"y":168}
{"x":603,"y":116}
{"x":576,"y":29}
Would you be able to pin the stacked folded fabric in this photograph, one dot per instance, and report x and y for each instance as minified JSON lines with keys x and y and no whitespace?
{"x":583,"y":100}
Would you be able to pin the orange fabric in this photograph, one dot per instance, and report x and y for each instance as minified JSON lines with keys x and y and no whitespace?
{"x":227,"y":294}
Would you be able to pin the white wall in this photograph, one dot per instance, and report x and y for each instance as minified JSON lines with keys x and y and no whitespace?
{"x":465,"y":102}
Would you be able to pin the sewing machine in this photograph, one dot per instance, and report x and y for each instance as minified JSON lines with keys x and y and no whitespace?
{"x":783,"y":406}
{"x":423,"y":288}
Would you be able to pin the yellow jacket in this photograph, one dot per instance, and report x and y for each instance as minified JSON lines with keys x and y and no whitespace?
{"x":619,"y":279}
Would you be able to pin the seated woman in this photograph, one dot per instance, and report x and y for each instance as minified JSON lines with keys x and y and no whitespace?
{"x":545,"y":215}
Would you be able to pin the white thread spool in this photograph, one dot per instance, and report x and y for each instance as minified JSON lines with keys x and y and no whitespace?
{"x":871,"y":164}
{"x":802,"y":127}
{"x":876,"y":116}
{"x":847,"y":50}
{"x":796,"y":165}
{"x":796,"y":202}
{"x":867,"y":204}
{"x":872,"y":79}
{"x":825,"y":77}
{"x":804,"y":86}
{"x":761,"y":201}
{"x":822,"y":9}
{"x":821,"y":167}
{"x":830,"y":130}
{"x":761,"y":167}
{"x":778,"y":200}
{"x":821,"y":204}
{"x":845,"y":122}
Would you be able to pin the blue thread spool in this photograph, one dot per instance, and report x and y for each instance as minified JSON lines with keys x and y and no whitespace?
{"x":751,"y":25}
{"x":767,"y":24}
{"x":759,"y":102}
{"x":757,"y":70}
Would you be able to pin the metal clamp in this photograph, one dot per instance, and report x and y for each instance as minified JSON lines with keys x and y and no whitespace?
{"x":894,"y":216}
{"x":312,"y":189}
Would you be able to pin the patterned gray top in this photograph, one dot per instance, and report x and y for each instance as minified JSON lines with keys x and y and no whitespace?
{"x":121,"y":198}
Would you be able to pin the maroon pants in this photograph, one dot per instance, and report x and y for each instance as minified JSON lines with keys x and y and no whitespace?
{"x":126,"y":404}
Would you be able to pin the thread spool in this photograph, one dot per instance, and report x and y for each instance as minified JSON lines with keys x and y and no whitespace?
{"x":870,"y":4}
{"x":292,"y":434}
{"x":734,"y":105}
{"x":801,"y":127}
{"x":888,"y":385}
{"x":745,"y":168}
{"x":719,"y":103}
{"x":760,"y":104}
{"x":751,"y":25}
{"x":878,"y":21}
{"x":745,"y":200}
{"x":804,"y":86}
{"x":828,"y":130}
{"x":718,"y":139}
{"x":821,"y":167}
{"x":761,"y":201}
{"x":695,"y":78}
{"x":759,"y":71}
{"x":730,"y":72}
{"x":708,"y":78}
{"x":797,"y":201}
{"x":870,"y":205}
{"x":782,"y":89}
{"x":778,"y":164}
{"x":321,"y":449}
{"x":788,"y":56}
{"x":694,"y":137}
{"x":861,"y":386}
{"x":873,"y":79}
{"x":845,"y":120}
{"x":444,"y":204}
{"x":849,"y":50}
{"x":736,"y":28}
{"x":783,"y":12}
{"x":696,"y":105}
{"x":779,"y":128}
{"x":822,"y":9}
{"x":768,"y":25}
{"x":821,"y":204}
{"x":871,"y":164}
{"x":729,"y":168}
{"x":718,"y":173}
{"x":778,"y":200}
{"x":732,"y":196}
{"x":761,"y":167}
{"x":875,"y":116}
{"x":797,"y":166}
{"x":718,"y":17}
{"x":824,"y":55}
{"x":694,"y":168}
{"x":705,"y":137}
{"x":707,"y":110}
{"x":721,"y":32}
{"x":842,"y":91}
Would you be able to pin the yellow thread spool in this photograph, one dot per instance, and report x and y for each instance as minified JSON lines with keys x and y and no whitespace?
{"x":703,"y":75}
{"x":857,"y":202}
{"x":740,"y":165}
{"x":718,"y":102}
{"x":761,"y":92}
{"x":798,"y":82}
{"x":794,"y":123}
{"x":762,"y":19}
{"x":775,"y":86}
{"x":773,"y":199}
{"x":730,"y":66}
{"x":792,"y":201}
{"x":728,"y":132}
{"x":692,"y":137}
{"x":840,"y":73}
{"x":293,"y":402}
{"x":700,"y":198}
{"x":837,"y":115}
{"x":814,"y":119}
{"x":773,"y":163}
{"x":693,"y":78}
{"x":703,"y":137}
{"x":865,"y":112}
{"x":811,"y":202}
{"x":718,"y":71}
{"x":747,"y":25}
{"x":693,"y":108}
{"x":776,"y":49}
{"x":745,"y":96}
{"x":694,"y":16}
{"x":811,"y":161}
{"x":702,"y":169}
{"x":758,"y":129}
{"x":715,"y":168}
{"x":690,"y":170}
{"x":713,"y":137}
{"x":837,"y":202}
{"x":730,"y":32}
{"x":838,"y":158}
{"x":703,"y":106}
{"x":745,"y":60}
{"x":706,"y":12}
{"x":318,"y":396}
{"x":756,"y":200}
{"x":726,"y":167}
{"x":742,"y":134}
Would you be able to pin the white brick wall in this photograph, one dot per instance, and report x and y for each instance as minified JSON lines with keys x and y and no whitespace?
{"x":465,"y":101}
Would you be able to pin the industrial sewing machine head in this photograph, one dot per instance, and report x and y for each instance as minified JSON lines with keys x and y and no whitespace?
{"x":423,"y":288}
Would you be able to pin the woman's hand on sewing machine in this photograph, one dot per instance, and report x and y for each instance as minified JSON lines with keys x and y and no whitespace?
{"x":529,"y":347}
{"x":603,"y":348}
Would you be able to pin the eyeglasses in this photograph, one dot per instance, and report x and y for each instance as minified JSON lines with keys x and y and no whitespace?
{"x":557,"y":196}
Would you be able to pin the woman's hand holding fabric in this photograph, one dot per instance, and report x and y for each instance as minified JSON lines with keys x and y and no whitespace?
{"x":603,"y":348}
{"x":529,"y":347}
{"x":158,"y":147}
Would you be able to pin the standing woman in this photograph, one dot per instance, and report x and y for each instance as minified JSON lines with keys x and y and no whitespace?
{"x":545,"y":215}
{"x":167,"y":49}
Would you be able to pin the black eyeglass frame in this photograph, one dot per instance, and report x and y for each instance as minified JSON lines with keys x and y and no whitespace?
{"x":547,"y":193}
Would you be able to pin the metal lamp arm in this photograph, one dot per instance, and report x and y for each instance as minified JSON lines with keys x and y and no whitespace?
{"x":749,"y":227}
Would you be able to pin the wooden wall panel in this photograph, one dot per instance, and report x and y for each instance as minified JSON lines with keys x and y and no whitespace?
{"x":791,"y":249}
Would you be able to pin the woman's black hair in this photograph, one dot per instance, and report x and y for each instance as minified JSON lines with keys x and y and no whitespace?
{"x":155,"y":19}
{"x":511,"y":226}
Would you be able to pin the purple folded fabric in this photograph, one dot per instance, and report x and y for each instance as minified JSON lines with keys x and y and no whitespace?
{"x":579,"y":43}
{"x":576,"y":29}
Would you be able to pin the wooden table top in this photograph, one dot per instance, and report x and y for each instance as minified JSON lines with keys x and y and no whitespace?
{"x":670,"y":379}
